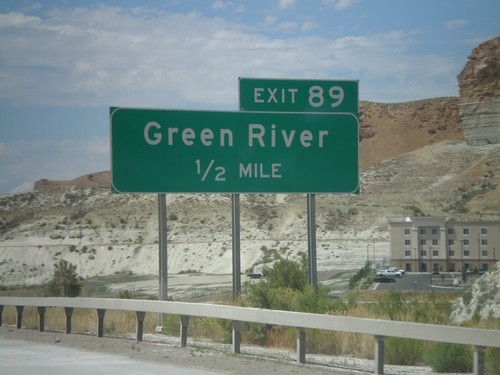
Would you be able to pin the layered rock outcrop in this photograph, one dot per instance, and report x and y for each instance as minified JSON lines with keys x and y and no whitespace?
{"x":479,"y":102}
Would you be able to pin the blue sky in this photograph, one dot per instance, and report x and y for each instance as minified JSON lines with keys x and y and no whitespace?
{"x":63,"y":63}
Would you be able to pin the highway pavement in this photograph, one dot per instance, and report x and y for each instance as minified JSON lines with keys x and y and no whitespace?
{"x":29,"y":358}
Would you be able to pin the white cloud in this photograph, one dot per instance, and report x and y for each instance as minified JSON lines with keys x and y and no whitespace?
{"x":454,"y":24}
{"x":340,"y":4}
{"x":309,"y":25}
{"x":285,"y":4}
{"x":107,"y":56}
{"x":220,"y":4}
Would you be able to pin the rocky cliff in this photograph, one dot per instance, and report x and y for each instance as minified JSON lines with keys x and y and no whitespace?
{"x":479,"y":102}
{"x":481,"y":301}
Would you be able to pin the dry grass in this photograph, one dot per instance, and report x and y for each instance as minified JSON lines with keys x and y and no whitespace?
{"x":83,"y":320}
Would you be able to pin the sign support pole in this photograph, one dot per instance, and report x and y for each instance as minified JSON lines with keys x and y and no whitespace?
{"x":311,"y":241}
{"x":163,"y":257}
{"x":235,"y":207}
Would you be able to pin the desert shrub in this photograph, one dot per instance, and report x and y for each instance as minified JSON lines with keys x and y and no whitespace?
{"x":404,"y":352}
{"x":393,"y":305}
{"x":65,"y":281}
{"x":286,"y":273}
{"x":171,"y":325}
{"x":126,"y":294}
{"x":362,"y":275}
{"x":285,"y":288}
{"x":446,"y":357}
{"x":257,"y":333}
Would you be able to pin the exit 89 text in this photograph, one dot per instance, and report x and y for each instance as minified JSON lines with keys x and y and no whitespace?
{"x":317,"y":96}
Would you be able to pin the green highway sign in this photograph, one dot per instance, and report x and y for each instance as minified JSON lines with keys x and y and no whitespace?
{"x":174,"y":151}
{"x":299,"y":95}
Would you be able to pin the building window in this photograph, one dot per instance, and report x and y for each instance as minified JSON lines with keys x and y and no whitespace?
{"x":451,"y":242}
{"x":422,"y":231}
{"x":408,"y":253}
{"x":466,"y":252}
{"x":465,"y":231}
{"x":407,"y":243}
{"x":434,"y":242}
{"x":466,"y":242}
{"x":484,"y":253}
{"x":423,"y":253}
{"x":484,"y":231}
{"x":450,"y":231}
{"x":422,"y":242}
{"x":407,"y":232}
{"x":435,"y":252}
{"x":451,"y":252}
{"x":484,"y":242}
{"x":434,"y":231}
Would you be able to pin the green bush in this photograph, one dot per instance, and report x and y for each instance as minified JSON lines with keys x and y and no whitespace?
{"x":171,"y":325}
{"x":445,"y":357}
{"x":404,"y":352}
{"x":286,"y":273}
{"x":362,"y":278}
{"x":393,"y":304}
{"x":493,"y":361}
{"x":126,"y":294}
{"x":65,"y":282}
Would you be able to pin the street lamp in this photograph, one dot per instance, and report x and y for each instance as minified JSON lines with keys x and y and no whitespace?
{"x":462,"y":251}
{"x":478,"y":255}
{"x":430,"y":268}
{"x":367,"y":256}
{"x":373,"y":248}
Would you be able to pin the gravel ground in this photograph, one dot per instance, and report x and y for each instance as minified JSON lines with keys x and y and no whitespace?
{"x":208,"y":355}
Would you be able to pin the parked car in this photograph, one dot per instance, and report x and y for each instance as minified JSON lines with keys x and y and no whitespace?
{"x":395,"y":269}
{"x":384,"y":279}
{"x":391,"y":273}
{"x":254,"y":275}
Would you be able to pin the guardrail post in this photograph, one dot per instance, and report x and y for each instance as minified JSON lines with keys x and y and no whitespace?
{"x":301,"y":346}
{"x":236,"y":336}
{"x":19,"y":318}
{"x":69,"y":312}
{"x":1,"y":314}
{"x":140,"y":325}
{"x":184,"y":330}
{"x":41,"y":318}
{"x":379,"y":354}
{"x":100,"y":322}
{"x":479,"y":360}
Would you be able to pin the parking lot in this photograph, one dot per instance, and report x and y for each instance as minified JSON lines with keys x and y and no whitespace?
{"x":424,"y":282}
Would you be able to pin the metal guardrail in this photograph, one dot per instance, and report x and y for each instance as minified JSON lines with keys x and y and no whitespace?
{"x":380,"y":329}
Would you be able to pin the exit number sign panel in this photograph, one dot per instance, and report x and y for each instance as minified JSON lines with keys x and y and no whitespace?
{"x":292,"y":95}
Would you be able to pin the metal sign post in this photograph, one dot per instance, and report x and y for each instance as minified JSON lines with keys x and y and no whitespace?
{"x":163,"y":257}
{"x":235,"y":204}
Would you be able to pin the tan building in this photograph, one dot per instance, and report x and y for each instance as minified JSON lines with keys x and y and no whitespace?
{"x":421,"y":244}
